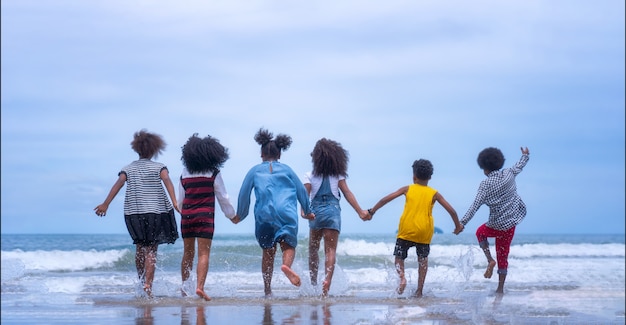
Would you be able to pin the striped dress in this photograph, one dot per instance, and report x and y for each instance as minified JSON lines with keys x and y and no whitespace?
{"x":197,"y":195}
{"x":148,"y":213}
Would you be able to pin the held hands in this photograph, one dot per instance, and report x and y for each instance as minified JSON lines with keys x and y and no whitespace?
{"x":235,"y":219}
{"x":459,"y":228}
{"x":364,"y":215}
{"x":310,"y":216}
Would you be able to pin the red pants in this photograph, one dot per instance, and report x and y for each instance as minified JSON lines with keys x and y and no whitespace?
{"x":503,"y":244}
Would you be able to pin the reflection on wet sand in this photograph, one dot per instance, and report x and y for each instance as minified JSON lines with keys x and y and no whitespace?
{"x":297,"y":318}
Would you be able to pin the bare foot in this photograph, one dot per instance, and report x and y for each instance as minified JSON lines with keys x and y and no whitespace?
{"x":291,"y":275}
{"x":417,"y":294}
{"x":148,"y":290}
{"x":489,"y":271}
{"x":402,"y":285}
{"x":325,"y":287}
{"x":202,"y":295}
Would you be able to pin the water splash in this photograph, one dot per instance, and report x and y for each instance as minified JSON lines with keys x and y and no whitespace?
{"x":465,"y":262}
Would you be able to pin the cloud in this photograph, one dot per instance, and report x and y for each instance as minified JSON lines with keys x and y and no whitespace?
{"x":393,"y":82}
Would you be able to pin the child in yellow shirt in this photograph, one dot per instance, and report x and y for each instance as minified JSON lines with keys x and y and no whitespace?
{"x":416,"y":226}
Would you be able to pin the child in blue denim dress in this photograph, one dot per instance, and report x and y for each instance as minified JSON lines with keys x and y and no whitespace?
{"x":330,"y":164}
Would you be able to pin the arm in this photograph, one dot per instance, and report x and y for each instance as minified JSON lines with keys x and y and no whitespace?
{"x":343,"y":186}
{"x":101,"y":210}
{"x":181,"y":193}
{"x":169,"y":186}
{"x":243,"y":204}
{"x":478,"y":201}
{"x":303,"y":197}
{"x":222,"y":197}
{"x":307,"y":186}
{"x":517,"y":168}
{"x":387,"y":199}
{"x":458,"y":227}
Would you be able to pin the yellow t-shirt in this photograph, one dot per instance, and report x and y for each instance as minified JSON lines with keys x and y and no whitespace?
{"x":416,"y":223}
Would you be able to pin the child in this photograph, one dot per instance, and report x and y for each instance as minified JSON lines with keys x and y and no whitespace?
{"x":416,"y":222}
{"x":200,"y":185}
{"x":506,"y":208}
{"x":330,"y":164}
{"x":148,"y":213}
{"x":277,"y":190}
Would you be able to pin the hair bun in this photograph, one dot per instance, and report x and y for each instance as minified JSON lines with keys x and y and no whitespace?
{"x":263,"y":136}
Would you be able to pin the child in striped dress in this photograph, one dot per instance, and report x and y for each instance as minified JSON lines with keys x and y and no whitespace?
{"x":200,"y":186}
{"x":148,"y":214}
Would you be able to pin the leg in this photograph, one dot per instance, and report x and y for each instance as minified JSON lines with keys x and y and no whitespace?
{"x":289,"y":255}
{"x":204,"y":251}
{"x":501,"y":279}
{"x":140,"y":262}
{"x":267,"y":268}
{"x":482,"y":233}
{"x":422,"y":270}
{"x":150,"y":253}
{"x":400,"y":252}
{"x":187,"y":263}
{"x":503,"y":245}
{"x":331,"y":237}
{"x":400,"y":270}
{"x":315,"y":236}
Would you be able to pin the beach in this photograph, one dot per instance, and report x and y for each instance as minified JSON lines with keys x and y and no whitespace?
{"x":90,"y":279}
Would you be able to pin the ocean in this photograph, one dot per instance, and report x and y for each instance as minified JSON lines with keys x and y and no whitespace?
{"x":91,"y":279}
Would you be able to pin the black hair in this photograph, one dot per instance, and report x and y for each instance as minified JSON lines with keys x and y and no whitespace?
{"x":147,"y":145}
{"x":490,"y":159}
{"x":270,"y":147}
{"x":201,"y":155}
{"x":329,"y":158}
{"x":422,"y":169}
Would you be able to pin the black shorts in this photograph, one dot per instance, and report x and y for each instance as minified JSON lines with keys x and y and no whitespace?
{"x":402,"y":248}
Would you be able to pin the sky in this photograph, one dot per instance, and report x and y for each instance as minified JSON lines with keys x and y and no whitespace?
{"x":392,"y":81}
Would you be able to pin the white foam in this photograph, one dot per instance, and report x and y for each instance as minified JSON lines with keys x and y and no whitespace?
{"x":56,"y":260}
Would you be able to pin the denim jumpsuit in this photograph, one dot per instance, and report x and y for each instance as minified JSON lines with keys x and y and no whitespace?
{"x":326,"y":208}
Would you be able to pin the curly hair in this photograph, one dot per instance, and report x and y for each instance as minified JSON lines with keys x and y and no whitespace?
{"x":270,"y":147}
{"x":422,"y":169}
{"x":490,"y":159}
{"x":147,"y":145}
{"x":329,"y":158}
{"x":201,"y":155}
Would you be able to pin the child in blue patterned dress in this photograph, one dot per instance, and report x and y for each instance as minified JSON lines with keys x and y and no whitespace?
{"x":277,"y":190}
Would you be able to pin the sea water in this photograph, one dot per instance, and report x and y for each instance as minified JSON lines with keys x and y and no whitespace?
{"x":552,"y":279}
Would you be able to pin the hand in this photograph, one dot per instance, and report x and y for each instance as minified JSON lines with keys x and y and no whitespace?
{"x":101,"y":210}
{"x":525,"y":151}
{"x":310,"y":216}
{"x":364,"y":215}
{"x":235,"y":220}
{"x":459,"y":228}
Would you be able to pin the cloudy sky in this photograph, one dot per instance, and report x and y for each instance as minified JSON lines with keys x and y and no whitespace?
{"x":393,"y":81}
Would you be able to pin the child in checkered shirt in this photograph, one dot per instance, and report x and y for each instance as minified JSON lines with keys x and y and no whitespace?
{"x":506,"y":208}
